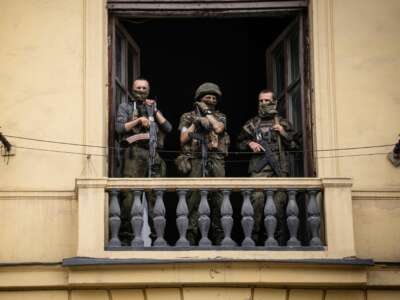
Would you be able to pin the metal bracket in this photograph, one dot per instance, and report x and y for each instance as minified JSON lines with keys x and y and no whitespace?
{"x":394,"y":156}
{"x":6,"y":149}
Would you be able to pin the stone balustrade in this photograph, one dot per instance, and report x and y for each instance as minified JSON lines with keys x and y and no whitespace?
{"x":314,"y":211}
{"x":291,"y":221}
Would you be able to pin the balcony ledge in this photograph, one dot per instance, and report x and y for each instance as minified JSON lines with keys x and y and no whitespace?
{"x":93,"y":272}
{"x":90,"y":261}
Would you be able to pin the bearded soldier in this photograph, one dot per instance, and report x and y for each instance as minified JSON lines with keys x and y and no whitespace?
{"x":132,"y":125}
{"x":267,"y":135}
{"x":204,"y":144}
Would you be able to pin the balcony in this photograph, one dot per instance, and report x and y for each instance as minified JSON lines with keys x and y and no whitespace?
{"x":318,"y":218}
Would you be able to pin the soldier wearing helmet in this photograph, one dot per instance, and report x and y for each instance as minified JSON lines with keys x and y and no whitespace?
{"x":208,"y":122}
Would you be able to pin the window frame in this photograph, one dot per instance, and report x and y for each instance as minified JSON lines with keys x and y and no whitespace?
{"x":302,"y":81}
{"x":115,"y":27}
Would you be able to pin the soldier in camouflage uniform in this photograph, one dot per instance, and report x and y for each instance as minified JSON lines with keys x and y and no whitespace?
{"x":205,"y":118}
{"x":278,"y":132}
{"x":132,"y":125}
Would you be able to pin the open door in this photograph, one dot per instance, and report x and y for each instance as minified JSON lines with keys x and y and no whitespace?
{"x":286,"y":76}
{"x":124,"y":68}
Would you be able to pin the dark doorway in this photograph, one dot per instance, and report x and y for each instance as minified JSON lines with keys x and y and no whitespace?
{"x":177,"y":55}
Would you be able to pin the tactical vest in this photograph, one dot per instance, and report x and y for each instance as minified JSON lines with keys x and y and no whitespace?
{"x":263,"y":128}
{"x":139,"y":110}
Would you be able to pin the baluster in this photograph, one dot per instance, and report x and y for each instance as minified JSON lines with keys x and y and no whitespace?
{"x":114,"y":220}
{"x":204,"y":219}
{"x":270,"y":221}
{"x":137,"y":219}
{"x":314,"y":217}
{"x":292,"y":212}
{"x":247,"y":219}
{"x":226,"y":219}
{"x":182,"y":221}
{"x":159,"y":220}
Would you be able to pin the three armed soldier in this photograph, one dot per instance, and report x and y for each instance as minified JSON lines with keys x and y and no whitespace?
{"x":204,"y":143}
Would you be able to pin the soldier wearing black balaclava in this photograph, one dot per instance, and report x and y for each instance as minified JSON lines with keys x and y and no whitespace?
{"x":277,"y":132}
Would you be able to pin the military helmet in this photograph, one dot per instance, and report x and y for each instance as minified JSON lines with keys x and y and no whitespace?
{"x":207,"y":88}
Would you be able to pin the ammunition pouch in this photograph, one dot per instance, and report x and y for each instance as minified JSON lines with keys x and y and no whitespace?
{"x":183,"y":164}
{"x":223,"y":144}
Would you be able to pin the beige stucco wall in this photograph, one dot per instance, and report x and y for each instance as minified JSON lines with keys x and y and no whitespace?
{"x":37,"y":227}
{"x":365,"y":66}
{"x":356,"y":62}
{"x":376,"y":222}
{"x":44,"y":91}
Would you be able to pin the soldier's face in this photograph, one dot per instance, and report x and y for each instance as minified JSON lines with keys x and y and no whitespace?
{"x":140,"y":90}
{"x":266,"y":98}
{"x":141,"y":86}
{"x":266,"y":105}
{"x":210,"y":100}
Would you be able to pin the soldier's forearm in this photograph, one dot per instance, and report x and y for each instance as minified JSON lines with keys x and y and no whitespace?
{"x":218,"y":126}
{"x":185,"y":135}
{"x":131,"y":124}
{"x":160,"y":118}
{"x":184,"y":138}
{"x":164,"y":123}
{"x":166,"y":126}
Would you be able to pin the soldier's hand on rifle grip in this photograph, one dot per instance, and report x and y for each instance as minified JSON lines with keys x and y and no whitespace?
{"x":202,"y":107}
{"x":205,"y":123}
{"x":145,"y":122}
{"x":279,"y":128}
{"x":202,"y":123}
{"x":256,"y":147}
{"x":149,"y":101}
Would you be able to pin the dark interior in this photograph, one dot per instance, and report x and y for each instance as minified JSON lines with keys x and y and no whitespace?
{"x":177,"y":55}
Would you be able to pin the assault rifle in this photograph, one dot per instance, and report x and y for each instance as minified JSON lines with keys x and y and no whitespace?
{"x":201,"y":137}
{"x":152,"y":138}
{"x":269,"y":157}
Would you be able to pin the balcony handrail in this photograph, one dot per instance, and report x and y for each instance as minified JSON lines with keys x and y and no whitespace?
{"x":216,"y":183}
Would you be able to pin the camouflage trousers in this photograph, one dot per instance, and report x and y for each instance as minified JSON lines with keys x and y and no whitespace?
{"x":136,"y":165}
{"x":216,"y":169}
{"x":258,"y":202}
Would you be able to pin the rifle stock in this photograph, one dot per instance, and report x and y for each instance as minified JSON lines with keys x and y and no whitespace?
{"x":269,"y":157}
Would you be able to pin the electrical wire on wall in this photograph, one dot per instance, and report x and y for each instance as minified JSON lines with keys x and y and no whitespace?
{"x":231,"y":153}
